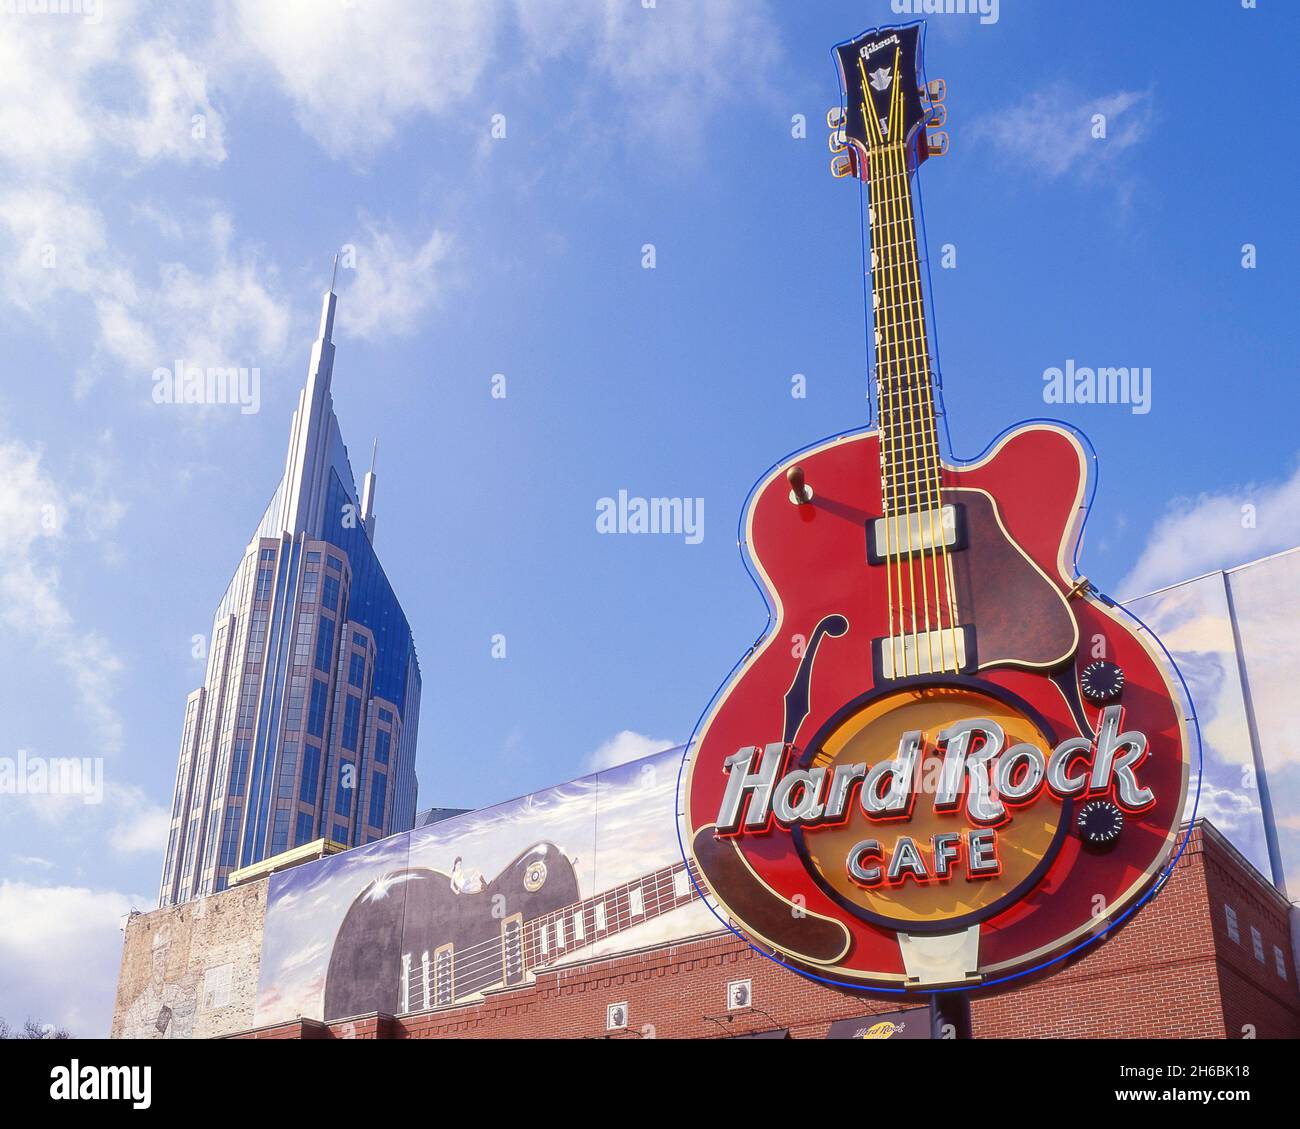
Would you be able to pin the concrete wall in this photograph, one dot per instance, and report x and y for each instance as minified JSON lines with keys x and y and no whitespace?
{"x":190,"y":971}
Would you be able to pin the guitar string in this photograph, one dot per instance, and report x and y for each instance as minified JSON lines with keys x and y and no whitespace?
{"x":931,"y":448}
{"x":489,"y":967}
{"x":923,"y":472}
{"x":886,"y":405}
{"x":896,"y":444}
{"x":620,"y":918}
{"x":615,"y":894}
{"x":912,"y":315}
{"x":916,"y":557}
{"x":893,"y":432}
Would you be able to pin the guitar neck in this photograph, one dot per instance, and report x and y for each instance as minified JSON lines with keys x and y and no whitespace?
{"x":904,"y":373}
{"x":554,"y":935}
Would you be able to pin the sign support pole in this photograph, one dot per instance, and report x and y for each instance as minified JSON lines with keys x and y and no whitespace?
{"x":952,"y":1009}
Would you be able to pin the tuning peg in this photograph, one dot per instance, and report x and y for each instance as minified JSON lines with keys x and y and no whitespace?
{"x":842,"y":165}
{"x":938,"y":116}
{"x":835,"y":117}
{"x":837,"y":141}
{"x":935,"y":90}
{"x":936,"y":144}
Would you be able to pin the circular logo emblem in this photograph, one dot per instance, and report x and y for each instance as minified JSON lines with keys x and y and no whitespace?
{"x":535,"y":876}
{"x":938,"y":834}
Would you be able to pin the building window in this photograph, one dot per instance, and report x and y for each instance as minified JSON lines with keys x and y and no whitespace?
{"x":376,"y":799}
{"x":343,"y":793}
{"x":316,"y":712}
{"x":357,"y":669}
{"x":280,"y":837}
{"x":1231,"y":915}
{"x":1279,"y":961}
{"x":304,"y":829}
{"x":351,"y":723}
{"x":340,"y":834}
{"x":330,"y":593}
{"x":230,"y":837}
{"x":382,"y":741}
{"x":325,"y":645}
{"x":307,"y":790}
{"x":313,"y":558}
{"x":333,"y":563}
{"x":1258,"y":942}
{"x":385,"y":715}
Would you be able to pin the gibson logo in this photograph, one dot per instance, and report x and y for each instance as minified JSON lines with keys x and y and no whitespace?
{"x":978,"y":776}
{"x":871,"y":48}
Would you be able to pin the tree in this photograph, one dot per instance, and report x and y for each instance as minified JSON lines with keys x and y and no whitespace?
{"x":33,"y":1030}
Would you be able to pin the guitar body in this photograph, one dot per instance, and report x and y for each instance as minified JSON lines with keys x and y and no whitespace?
{"x":1024,"y":508}
{"x":414,"y":912}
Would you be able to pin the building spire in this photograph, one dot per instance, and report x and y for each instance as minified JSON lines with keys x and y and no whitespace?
{"x":306,"y":467}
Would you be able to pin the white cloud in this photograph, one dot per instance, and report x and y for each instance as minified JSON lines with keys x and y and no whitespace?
{"x":141,"y":827}
{"x":354,"y":72}
{"x":52,"y":69}
{"x":34,"y":513}
{"x":60,"y":951}
{"x":1051,"y":130}
{"x":1217,"y":531}
{"x":33,"y":861}
{"x":222,"y":313}
{"x":1232,"y":812}
{"x":177,"y":95}
{"x":625,"y":746}
{"x":394,"y":283}
{"x":671,"y":65}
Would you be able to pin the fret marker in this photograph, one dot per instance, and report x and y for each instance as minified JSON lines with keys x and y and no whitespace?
{"x":600,"y":917}
{"x":681,"y":884}
{"x":636,"y":901}
{"x":579,"y":932}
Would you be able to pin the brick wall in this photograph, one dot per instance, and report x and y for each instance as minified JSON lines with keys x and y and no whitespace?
{"x":191,"y":970}
{"x":1257,"y":1001}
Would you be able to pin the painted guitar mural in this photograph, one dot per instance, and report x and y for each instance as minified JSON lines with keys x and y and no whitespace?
{"x":949,"y":760}
{"x":438,"y":939}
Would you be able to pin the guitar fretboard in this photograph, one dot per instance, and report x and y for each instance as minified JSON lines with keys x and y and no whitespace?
{"x":557,"y":934}
{"x":443,"y":975}
{"x":905,"y":381}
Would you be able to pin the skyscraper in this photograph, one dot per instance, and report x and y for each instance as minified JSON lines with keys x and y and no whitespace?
{"x":305,"y":726}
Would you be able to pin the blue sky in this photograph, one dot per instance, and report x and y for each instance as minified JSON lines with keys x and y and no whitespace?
{"x":175,"y":184}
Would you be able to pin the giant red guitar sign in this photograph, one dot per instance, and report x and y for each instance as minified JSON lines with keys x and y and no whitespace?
{"x":949,"y":761}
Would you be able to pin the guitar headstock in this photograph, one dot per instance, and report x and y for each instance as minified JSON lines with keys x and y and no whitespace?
{"x":886,"y":101}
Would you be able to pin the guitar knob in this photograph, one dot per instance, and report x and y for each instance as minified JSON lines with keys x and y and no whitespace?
{"x":800,"y":492}
{"x":1100,"y":823}
{"x":1101,"y":682}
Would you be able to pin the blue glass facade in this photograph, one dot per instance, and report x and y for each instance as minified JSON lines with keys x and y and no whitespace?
{"x":306,"y":725}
